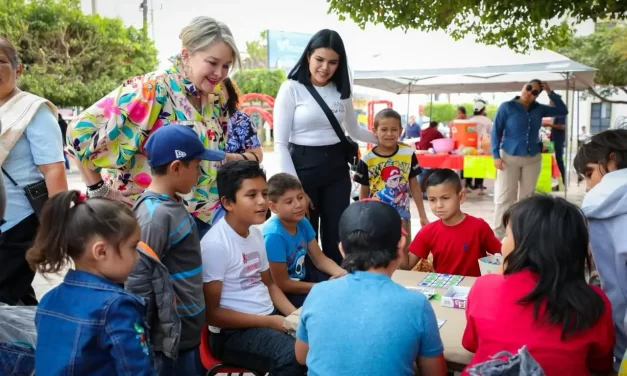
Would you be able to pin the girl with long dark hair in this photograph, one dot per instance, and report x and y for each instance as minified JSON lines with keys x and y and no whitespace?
{"x":305,"y":138}
{"x":542,"y":299}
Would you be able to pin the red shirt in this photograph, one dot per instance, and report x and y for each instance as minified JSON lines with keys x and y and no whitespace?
{"x":456,"y":249}
{"x":428,"y":135}
{"x":497,"y":322}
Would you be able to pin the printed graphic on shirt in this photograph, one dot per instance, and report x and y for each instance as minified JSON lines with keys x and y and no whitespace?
{"x":337,"y":107}
{"x":251,"y":270}
{"x":296,"y":262}
{"x":388,"y":177}
{"x":141,"y":336}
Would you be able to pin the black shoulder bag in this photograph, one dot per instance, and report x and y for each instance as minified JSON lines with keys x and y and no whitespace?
{"x":351,"y":149}
{"x":36,"y":193}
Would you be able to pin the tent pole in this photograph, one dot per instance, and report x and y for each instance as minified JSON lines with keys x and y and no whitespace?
{"x":568,"y":123}
{"x":431,"y":109}
{"x":578,"y":118}
{"x":408,"y":96}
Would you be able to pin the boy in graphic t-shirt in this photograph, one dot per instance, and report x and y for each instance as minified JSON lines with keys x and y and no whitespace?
{"x":389,"y":171}
{"x":457,"y":240}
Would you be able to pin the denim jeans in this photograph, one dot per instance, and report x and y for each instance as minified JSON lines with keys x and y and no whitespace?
{"x":187,"y":363}
{"x":507,"y":364}
{"x":16,"y":360}
{"x":261,"y":350}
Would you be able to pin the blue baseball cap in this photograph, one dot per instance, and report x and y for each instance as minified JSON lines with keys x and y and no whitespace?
{"x":177,"y":142}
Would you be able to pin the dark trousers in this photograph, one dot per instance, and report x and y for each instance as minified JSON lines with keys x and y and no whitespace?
{"x":261,"y":350}
{"x":16,"y":277}
{"x":187,"y":363}
{"x":202,"y":227}
{"x":559,"y":158}
{"x":324,"y":173}
{"x":478,"y":183}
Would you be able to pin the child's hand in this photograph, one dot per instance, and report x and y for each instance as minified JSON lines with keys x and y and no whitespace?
{"x":276,"y":322}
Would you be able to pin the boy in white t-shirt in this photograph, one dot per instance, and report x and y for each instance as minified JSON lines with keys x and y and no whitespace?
{"x":246,"y":329}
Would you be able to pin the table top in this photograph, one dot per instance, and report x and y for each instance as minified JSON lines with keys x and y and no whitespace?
{"x":451,"y":332}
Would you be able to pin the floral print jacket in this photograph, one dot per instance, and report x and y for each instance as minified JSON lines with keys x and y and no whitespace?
{"x":242,"y":133}
{"x":110,"y":135}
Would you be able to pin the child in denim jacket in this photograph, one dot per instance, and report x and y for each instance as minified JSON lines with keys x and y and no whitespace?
{"x":88,"y":325}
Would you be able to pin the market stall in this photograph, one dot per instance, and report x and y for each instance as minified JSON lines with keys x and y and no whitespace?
{"x":481,"y":74}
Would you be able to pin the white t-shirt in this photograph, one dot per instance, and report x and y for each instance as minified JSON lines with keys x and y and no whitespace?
{"x":484,"y":127}
{"x":238,"y":263}
{"x":299,"y":119}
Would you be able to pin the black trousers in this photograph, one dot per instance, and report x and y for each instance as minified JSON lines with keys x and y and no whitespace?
{"x":16,"y":277}
{"x":324,"y":173}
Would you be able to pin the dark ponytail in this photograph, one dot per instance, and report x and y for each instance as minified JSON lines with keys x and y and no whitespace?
{"x":551,"y":240}
{"x":69,"y":223}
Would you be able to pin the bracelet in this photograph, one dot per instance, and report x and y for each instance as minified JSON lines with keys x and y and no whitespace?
{"x":93,"y":187}
{"x":102,"y":191}
{"x":256,"y":157}
{"x":244,"y":156}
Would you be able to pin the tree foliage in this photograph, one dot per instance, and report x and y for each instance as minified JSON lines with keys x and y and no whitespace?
{"x":521,"y":25}
{"x":606,"y":50}
{"x":257,"y":51}
{"x":446,"y":112}
{"x":260,"y":81}
{"x":71,"y":58}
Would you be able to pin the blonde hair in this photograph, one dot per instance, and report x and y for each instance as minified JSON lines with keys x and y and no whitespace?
{"x":203,"y":31}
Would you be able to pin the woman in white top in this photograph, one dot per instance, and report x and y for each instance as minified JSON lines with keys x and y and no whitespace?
{"x":307,"y":145}
{"x":484,"y":126}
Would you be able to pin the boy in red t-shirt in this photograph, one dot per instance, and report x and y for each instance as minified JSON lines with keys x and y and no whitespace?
{"x":457,"y":240}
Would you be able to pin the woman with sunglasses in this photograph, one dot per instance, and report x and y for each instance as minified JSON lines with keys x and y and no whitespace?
{"x":516,"y":146}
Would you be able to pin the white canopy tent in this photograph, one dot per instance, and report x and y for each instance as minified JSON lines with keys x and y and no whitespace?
{"x":561,"y":75}
{"x":479,"y":71}
{"x":441,"y":65}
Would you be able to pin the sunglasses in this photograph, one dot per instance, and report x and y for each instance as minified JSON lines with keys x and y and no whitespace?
{"x":534,"y":92}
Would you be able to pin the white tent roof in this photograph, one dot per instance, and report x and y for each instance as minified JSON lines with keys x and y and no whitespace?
{"x":465,"y":67}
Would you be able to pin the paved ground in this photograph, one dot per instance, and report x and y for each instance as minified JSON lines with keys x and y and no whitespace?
{"x":479,"y":206}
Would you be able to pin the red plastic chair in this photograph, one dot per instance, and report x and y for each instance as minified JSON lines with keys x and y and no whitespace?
{"x":213,"y":365}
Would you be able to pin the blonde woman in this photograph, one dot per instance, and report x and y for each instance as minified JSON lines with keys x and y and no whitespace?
{"x":108,"y":138}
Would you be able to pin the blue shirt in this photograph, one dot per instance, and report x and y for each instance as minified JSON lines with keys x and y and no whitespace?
{"x":40,"y":144}
{"x":366,"y":324}
{"x":89,"y":325}
{"x":281,"y":246}
{"x":516,"y":129}
{"x":411,"y":131}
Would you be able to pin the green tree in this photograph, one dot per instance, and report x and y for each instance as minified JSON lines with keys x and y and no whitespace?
{"x":257,"y":51}
{"x":442,"y":112}
{"x":71,"y":58}
{"x":260,"y":81}
{"x":519,"y":24}
{"x":446,"y":112}
{"x":606,"y":50}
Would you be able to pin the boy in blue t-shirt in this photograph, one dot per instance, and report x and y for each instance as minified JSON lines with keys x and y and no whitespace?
{"x":289,"y":238}
{"x":331,"y":342}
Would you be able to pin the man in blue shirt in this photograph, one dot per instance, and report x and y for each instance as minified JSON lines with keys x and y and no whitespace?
{"x":516,"y":146}
{"x":364,"y":323}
